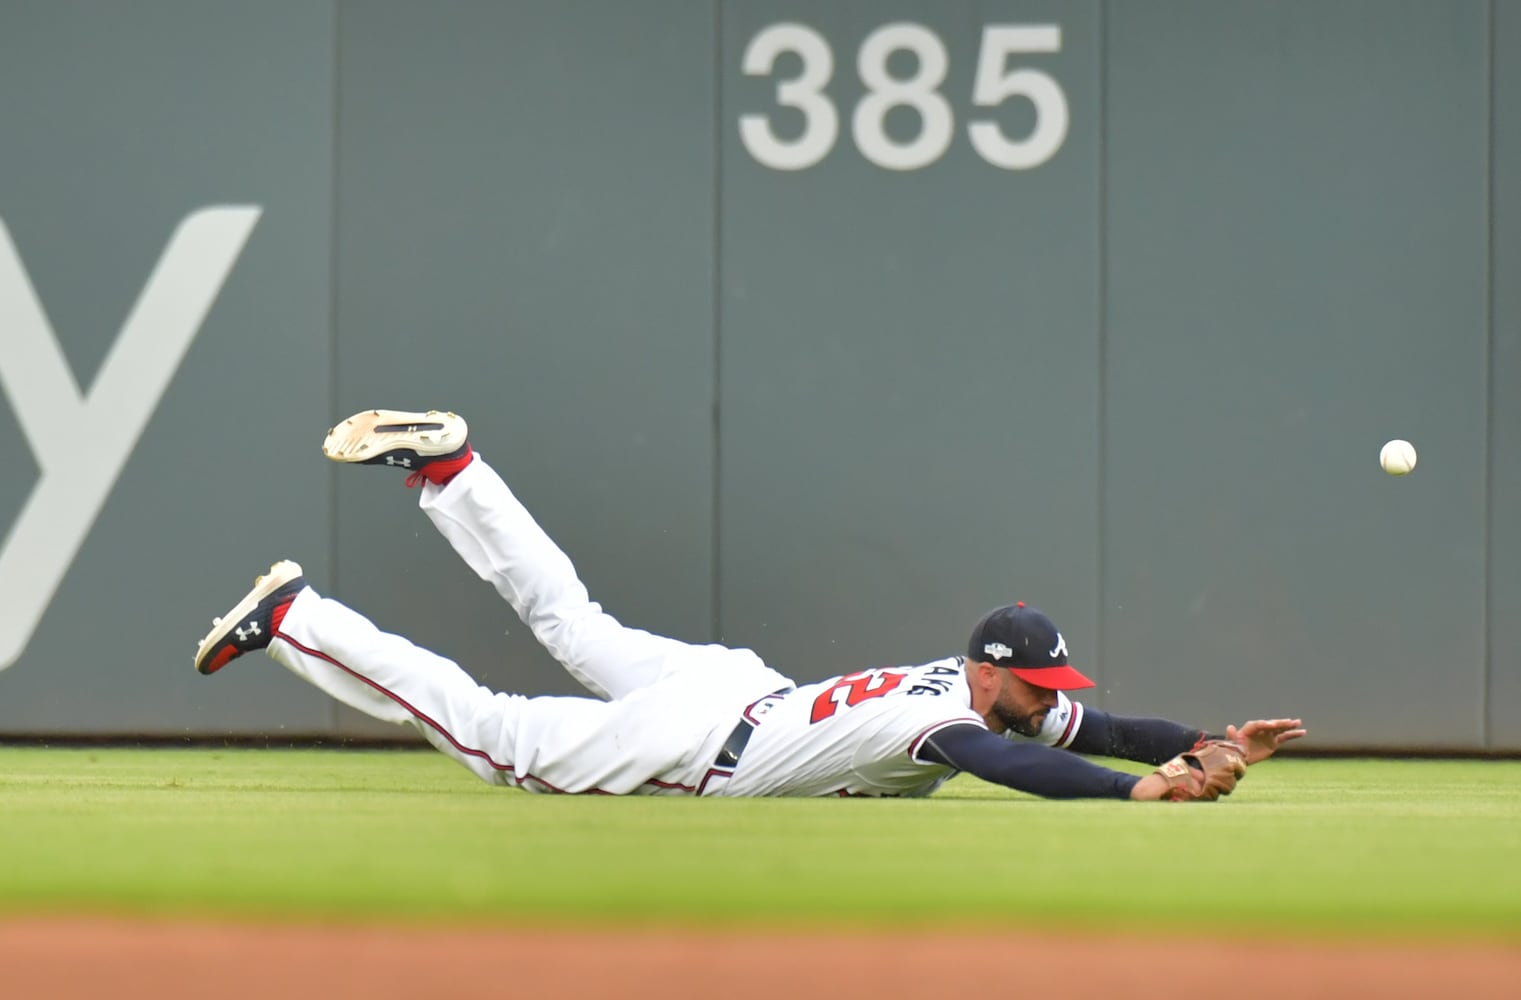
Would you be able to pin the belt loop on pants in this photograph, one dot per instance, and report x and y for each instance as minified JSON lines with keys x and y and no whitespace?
{"x":728,"y":754}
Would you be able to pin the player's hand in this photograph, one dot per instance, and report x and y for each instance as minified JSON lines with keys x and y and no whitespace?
{"x":1260,"y":738}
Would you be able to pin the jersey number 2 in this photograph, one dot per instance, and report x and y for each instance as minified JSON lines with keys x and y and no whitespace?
{"x":852,"y":689}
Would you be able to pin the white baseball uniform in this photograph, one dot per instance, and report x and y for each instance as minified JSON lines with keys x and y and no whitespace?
{"x":669,"y":708}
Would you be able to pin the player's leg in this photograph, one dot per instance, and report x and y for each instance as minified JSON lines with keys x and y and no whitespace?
{"x":384,"y":676}
{"x":498,"y":538}
{"x":652,"y":742}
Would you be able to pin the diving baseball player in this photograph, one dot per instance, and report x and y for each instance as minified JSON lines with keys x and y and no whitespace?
{"x":676,"y":718}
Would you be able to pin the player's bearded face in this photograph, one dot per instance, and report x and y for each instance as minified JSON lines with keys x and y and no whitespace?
{"x":1022,"y":707}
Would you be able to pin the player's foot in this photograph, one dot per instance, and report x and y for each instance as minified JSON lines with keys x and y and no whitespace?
{"x":431,"y":445}
{"x":252,"y":622}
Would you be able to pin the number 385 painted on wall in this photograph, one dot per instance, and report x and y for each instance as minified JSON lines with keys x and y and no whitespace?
{"x":995,"y":82}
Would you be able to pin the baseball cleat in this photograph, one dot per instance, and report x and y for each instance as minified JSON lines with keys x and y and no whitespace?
{"x":397,"y":438}
{"x":252,"y":622}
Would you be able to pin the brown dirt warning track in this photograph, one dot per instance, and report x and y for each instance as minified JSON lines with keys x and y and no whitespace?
{"x":68,"y":958}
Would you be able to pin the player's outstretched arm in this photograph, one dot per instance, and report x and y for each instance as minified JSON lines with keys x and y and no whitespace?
{"x":1025,"y":767}
{"x":1199,"y":775}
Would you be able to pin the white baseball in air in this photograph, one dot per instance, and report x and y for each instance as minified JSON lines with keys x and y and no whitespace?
{"x":1397,"y":457}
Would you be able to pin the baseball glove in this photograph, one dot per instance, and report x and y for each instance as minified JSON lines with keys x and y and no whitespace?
{"x":1204,"y":773}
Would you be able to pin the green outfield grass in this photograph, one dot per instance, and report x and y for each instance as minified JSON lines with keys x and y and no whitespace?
{"x":1355,"y":847}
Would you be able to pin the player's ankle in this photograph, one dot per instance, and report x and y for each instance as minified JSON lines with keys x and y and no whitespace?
{"x":441,"y":470}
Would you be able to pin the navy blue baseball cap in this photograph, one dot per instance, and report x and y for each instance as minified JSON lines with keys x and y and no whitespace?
{"x":1026,"y":642}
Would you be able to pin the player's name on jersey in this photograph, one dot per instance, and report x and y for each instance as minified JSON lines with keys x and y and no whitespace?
{"x":935,"y":680}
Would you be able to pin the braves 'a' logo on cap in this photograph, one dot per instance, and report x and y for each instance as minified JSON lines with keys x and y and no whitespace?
{"x":1061,"y":647}
{"x":997,"y":650}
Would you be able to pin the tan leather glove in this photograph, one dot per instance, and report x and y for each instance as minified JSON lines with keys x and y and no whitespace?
{"x":1204,"y":773}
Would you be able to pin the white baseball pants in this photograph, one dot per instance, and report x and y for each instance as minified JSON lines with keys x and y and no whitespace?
{"x":669,"y":705}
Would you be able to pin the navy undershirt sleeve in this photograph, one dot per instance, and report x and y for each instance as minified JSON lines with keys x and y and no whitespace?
{"x":1150,"y":741}
{"x":1028,"y":767}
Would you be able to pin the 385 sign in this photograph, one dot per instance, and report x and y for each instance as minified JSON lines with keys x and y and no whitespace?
{"x":1000,"y":76}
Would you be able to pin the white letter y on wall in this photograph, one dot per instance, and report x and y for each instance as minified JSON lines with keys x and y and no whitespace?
{"x":81,"y":441}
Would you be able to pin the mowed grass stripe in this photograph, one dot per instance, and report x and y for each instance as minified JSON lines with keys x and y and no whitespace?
{"x":1308,"y":846}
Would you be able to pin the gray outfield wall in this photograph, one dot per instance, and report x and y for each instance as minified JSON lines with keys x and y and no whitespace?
{"x":815,"y":328}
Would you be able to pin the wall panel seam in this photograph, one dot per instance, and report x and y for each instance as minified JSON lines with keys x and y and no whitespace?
{"x":1101,"y":267}
{"x":1486,"y":639}
{"x":716,"y":276}
{"x":334,"y":709}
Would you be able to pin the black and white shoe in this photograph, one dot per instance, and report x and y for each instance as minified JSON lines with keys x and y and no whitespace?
{"x":398,"y":438}
{"x":253,"y":621}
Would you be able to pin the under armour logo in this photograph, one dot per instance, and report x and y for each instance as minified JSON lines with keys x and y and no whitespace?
{"x":405,"y":463}
{"x":998,"y":650}
{"x":1061,"y":647}
{"x":253,"y":630}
